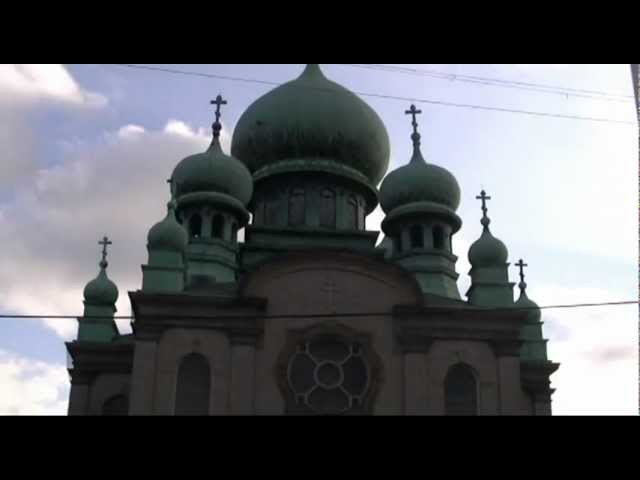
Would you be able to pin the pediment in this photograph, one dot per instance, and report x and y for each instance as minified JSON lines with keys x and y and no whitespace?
{"x":324,"y":283}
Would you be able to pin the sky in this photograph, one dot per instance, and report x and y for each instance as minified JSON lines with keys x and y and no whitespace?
{"x":86,"y":151}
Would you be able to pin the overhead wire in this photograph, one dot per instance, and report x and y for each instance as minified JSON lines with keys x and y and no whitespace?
{"x":382,"y":96}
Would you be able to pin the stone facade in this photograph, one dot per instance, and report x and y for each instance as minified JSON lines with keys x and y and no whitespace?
{"x":308,"y":316}
{"x":414,"y":341}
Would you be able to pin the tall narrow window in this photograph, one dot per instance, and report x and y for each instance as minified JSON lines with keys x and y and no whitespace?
{"x":328,"y":209}
{"x":258,"y":213}
{"x":117,"y":406}
{"x":461,"y":392}
{"x":195,"y":226}
{"x":217,"y":227}
{"x":352,"y":213}
{"x":438,"y":238}
{"x":397,"y":245}
{"x":297,"y":208}
{"x":234,"y":232}
{"x":194,"y":386}
{"x":417,"y":236}
{"x":272,"y":210}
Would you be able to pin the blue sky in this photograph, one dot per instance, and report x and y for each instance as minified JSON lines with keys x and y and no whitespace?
{"x":87,"y":148}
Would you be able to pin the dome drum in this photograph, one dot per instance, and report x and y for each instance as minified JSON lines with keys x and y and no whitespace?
{"x":214,"y":200}
{"x":397,"y":218}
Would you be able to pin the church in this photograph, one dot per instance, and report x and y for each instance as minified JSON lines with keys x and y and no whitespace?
{"x":265,"y":294}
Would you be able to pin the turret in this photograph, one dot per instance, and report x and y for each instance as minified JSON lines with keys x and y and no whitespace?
{"x":213,"y":190}
{"x":167,"y":246}
{"x":420,"y":201}
{"x":534,"y":348}
{"x":100,"y":297}
{"x":490,"y":286}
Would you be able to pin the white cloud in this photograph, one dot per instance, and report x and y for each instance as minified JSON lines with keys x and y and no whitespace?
{"x":130,"y":131}
{"x":45,"y":82}
{"x":50,"y":231}
{"x":31,"y":387}
{"x":597,"y":349}
{"x":23,"y":88}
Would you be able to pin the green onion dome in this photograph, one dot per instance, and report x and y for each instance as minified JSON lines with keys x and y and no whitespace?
{"x":488,"y":251}
{"x":101,"y":291}
{"x":214,"y":172}
{"x":419,"y":182}
{"x":168,"y":235}
{"x":312,"y":123}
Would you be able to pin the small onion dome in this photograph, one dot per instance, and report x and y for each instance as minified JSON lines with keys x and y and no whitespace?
{"x":312,"y":122}
{"x":419,"y":182}
{"x":488,"y":251}
{"x":214,"y":171}
{"x":168,"y":235}
{"x":534,"y":315}
{"x":101,"y":290}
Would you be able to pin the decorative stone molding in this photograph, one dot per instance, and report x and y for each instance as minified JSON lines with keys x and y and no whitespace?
{"x":536,"y":379}
{"x":240,"y":319}
{"x":416,"y":328}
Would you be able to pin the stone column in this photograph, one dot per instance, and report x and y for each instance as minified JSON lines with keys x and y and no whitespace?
{"x":512,"y":397}
{"x":79,"y":397}
{"x":143,"y":379}
{"x":242,"y":379}
{"x":415,"y":384}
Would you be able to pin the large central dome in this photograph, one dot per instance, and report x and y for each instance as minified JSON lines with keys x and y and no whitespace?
{"x":309,"y":123}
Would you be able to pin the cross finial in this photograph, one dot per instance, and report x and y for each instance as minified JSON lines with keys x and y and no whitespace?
{"x":217,"y":126}
{"x":414,"y":112}
{"x":521,"y":265}
{"x":484,"y":197}
{"x":105,"y":242}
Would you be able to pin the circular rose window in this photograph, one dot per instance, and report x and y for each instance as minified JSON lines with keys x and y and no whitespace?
{"x":329,"y":376}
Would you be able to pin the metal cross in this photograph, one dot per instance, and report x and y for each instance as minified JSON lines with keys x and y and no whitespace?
{"x":414,"y":112}
{"x":483,"y":196}
{"x":105,"y":242}
{"x":521,"y":266}
{"x":218,"y":102}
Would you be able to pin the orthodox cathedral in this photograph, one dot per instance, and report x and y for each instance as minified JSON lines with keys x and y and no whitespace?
{"x":310,"y":314}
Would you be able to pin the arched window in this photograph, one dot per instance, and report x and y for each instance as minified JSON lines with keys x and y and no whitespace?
{"x":234,"y":232}
{"x":217,"y":227}
{"x":397,"y":245}
{"x":328,"y":209}
{"x":195,"y":226}
{"x":417,"y":236}
{"x":194,"y":386}
{"x":117,"y":406}
{"x":362,"y":217}
{"x":352,"y":213}
{"x":272,"y":209}
{"x":461,"y":392}
{"x":296,"y":208}
{"x":438,"y":238}
{"x":258,"y":214}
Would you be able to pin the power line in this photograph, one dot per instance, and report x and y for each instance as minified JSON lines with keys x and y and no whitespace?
{"x":380,"y":96}
{"x":439,"y":309}
{"x":534,"y":87}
